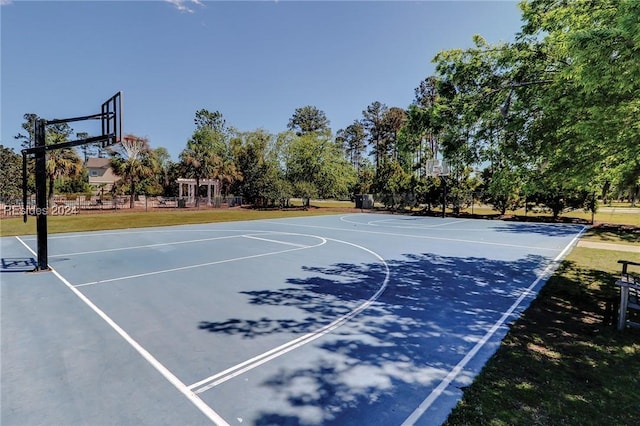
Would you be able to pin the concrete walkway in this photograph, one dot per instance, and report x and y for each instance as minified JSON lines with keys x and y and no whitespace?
{"x":630,"y":210}
{"x":609,"y":246}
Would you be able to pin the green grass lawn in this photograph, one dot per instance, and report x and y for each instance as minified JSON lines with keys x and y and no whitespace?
{"x":169,"y":217}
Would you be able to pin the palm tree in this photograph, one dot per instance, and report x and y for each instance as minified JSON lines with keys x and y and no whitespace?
{"x":60,"y":162}
{"x":201,"y":158}
{"x":132,"y":167}
{"x":228,"y":175}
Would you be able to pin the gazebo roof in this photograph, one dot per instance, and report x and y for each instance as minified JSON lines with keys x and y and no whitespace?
{"x":202,"y":181}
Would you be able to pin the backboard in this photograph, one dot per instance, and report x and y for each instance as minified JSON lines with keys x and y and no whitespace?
{"x":112,"y":120}
{"x":436,"y":168}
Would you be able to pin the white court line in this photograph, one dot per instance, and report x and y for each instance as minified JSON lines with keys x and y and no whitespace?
{"x":219,"y":378}
{"x":150,"y":230}
{"x":253,"y":237}
{"x":376,"y":222}
{"x":145,"y":246}
{"x":425,"y":237}
{"x":168,"y":375}
{"x":433,"y":396}
{"x":200,"y":265}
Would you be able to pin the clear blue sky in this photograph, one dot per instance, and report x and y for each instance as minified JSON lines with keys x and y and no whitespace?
{"x":255,"y":62}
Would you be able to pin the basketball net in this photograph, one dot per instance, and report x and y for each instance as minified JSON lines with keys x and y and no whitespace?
{"x":132,"y":147}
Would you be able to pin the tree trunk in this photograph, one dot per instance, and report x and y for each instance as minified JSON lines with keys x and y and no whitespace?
{"x":51,"y":186}
{"x":133,"y":193}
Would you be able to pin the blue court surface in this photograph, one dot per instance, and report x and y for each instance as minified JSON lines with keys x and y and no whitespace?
{"x":359,"y":319}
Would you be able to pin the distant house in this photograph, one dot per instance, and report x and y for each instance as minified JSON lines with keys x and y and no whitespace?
{"x":101,"y":176}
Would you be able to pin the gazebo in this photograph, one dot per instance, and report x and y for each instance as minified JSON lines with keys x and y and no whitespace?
{"x":213,"y":188}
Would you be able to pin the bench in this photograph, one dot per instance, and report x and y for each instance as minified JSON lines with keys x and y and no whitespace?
{"x":629,"y":284}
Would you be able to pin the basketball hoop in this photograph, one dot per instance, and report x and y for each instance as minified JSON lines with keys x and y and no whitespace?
{"x":440,"y":170}
{"x":112,"y":120}
{"x":436,"y":169}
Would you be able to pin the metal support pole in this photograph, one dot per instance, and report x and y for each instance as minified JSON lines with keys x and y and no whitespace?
{"x":24,"y":187}
{"x":444,"y":196}
{"x":41,"y":195}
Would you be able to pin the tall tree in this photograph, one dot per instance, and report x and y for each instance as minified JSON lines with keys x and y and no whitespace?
{"x":210,"y":119}
{"x":353,"y":139}
{"x":394,"y":120}
{"x":163,"y":166}
{"x":10,"y":174}
{"x":27,"y":140}
{"x":319,"y":161}
{"x":373,"y":122}
{"x":308,"y":119}
{"x":206,"y":151}
{"x":419,"y":139}
{"x":201,"y":157}
{"x":256,"y":164}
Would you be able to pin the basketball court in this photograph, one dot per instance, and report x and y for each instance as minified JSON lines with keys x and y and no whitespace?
{"x":328,"y":320}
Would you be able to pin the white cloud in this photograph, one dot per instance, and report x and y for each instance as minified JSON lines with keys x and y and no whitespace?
{"x":181,"y":5}
{"x":7,"y":2}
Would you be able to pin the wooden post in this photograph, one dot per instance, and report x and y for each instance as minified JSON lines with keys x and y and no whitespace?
{"x":624,"y":301}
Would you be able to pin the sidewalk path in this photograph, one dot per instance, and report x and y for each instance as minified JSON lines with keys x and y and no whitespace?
{"x":630,"y":210}
{"x":609,"y":246}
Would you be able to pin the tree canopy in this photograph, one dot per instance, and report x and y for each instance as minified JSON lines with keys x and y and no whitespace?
{"x":309,"y":119}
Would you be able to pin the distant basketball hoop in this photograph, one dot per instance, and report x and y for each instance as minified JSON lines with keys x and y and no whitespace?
{"x":435,"y":168}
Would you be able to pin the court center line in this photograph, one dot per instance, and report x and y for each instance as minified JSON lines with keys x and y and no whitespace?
{"x":199,"y":265}
{"x":425,"y":237}
{"x":219,"y":378}
{"x":168,"y":375}
{"x":433,"y":396}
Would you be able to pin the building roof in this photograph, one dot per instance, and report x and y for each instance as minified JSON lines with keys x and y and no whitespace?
{"x":98,"y":163}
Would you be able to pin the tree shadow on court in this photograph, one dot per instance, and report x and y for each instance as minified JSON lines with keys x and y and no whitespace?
{"x":539,"y":229}
{"x":378,"y":367}
{"x":325,"y":295}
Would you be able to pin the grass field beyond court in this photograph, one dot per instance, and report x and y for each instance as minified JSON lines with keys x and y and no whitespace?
{"x":104,"y":221}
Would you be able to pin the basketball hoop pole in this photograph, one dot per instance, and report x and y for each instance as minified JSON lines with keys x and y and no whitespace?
{"x":40,"y":154}
{"x":41,"y":195}
{"x":444,"y":195}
